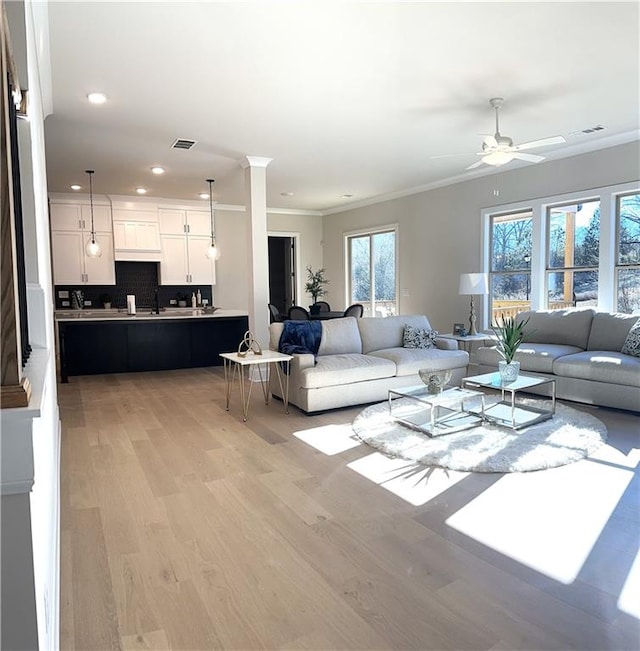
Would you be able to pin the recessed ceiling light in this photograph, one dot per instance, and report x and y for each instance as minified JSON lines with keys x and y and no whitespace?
{"x":141,"y":190}
{"x":97,"y":98}
{"x":287,"y":194}
{"x":157,"y":170}
{"x":204,"y":195}
{"x":76,"y":187}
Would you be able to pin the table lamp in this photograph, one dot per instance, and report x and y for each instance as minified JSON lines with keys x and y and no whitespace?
{"x":476,"y":284}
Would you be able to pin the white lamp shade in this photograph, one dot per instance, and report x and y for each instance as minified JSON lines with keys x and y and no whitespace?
{"x":475,"y":284}
{"x":213,"y":252}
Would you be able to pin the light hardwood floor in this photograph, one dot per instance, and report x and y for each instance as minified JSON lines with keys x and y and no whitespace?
{"x":185,"y":528}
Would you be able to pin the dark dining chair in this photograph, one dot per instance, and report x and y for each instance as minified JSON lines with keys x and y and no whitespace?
{"x":274,"y":314}
{"x":356,"y":310}
{"x":298,"y":313}
{"x":324,"y":306}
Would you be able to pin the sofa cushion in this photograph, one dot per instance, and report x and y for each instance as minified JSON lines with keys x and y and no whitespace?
{"x":567,"y":327}
{"x":335,"y":370}
{"x":418,"y":337}
{"x":409,"y":361}
{"x":601,"y":366}
{"x":609,"y":331}
{"x":631,"y":344}
{"x":340,"y":336}
{"x":387,"y":332}
{"x":538,"y":358}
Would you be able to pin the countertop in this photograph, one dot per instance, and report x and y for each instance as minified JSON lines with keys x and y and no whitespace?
{"x":145,"y":314}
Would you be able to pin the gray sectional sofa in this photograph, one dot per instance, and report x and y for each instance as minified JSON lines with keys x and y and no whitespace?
{"x":359,"y":360}
{"x":581,"y":349}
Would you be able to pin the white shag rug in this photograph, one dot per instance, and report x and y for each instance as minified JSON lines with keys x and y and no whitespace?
{"x":569,"y":436}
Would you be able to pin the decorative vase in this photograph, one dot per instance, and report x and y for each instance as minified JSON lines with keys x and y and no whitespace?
{"x":107,"y":306}
{"x":436,"y":380}
{"x":508,"y":372}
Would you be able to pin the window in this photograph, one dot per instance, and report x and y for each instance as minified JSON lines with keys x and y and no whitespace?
{"x":372,"y":272}
{"x":573,"y":253}
{"x":628,"y":253}
{"x":510,"y":264}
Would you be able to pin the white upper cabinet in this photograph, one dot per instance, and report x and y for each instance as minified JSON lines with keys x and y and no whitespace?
{"x":184,"y":222}
{"x":70,"y":233}
{"x":185,"y":236}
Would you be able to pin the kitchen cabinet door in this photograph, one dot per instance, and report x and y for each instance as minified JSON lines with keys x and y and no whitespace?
{"x":66,"y":217}
{"x":67,"y":249}
{"x":172,"y":222}
{"x":102,"y":270}
{"x":198,"y":222}
{"x":101,"y":218}
{"x":201,"y":269}
{"x":174,"y":268}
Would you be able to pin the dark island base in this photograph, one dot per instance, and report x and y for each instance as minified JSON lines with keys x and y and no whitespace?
{"x":97,"y":347}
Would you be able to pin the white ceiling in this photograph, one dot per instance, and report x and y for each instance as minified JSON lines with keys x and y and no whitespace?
{"x":345,"y":97}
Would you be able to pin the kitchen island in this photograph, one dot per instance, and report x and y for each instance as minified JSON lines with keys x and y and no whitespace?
{"x":108,"y":341}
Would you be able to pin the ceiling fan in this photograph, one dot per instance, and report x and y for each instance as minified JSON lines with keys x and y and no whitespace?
{"x":498,"y":149}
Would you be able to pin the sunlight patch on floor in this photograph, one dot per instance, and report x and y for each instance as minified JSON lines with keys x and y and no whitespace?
{"x":548,"y":520}
{"x":414,"y":483}
{"x":629,"y":600}
{"x":330,"y":439}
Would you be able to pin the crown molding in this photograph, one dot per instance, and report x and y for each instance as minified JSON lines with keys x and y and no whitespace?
{"x":254,"y":161}
{"x":566,"y":152}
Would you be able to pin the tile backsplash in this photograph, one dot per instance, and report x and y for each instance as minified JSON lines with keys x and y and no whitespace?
{"x":138,"y":278}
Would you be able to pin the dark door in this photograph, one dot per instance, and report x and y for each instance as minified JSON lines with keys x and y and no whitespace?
{"x":282,"y":277}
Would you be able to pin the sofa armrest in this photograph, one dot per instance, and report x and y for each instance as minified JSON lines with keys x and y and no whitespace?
{"x":301,"y":361}
{"x":446,"y":344}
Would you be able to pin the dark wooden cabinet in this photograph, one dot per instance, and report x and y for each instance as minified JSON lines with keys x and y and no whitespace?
{"x":96,"y":347}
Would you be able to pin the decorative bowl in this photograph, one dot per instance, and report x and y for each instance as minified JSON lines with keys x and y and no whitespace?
{"x":436,"y":380}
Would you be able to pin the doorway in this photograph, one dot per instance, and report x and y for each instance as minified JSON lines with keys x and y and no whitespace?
{"x":282,"y":271}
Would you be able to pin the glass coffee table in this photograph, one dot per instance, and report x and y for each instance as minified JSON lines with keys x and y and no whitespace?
{"x":435,"y":414}
{"x":508,"y":411}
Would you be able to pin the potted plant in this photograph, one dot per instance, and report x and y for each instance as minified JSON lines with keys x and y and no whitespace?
{"x":105,"y":299}
{"x":182,"y":299}
{"x":509,"y":335}
{"x":315,"y":286}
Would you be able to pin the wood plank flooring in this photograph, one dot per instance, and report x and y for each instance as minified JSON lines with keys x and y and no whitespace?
{"x":185,"y":528}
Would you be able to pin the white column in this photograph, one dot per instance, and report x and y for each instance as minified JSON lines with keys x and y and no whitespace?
{"x":255,"y":182}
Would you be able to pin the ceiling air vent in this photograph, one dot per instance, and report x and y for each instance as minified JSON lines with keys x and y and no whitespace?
{"x":183,"y":143}
{"x":586,"y":132}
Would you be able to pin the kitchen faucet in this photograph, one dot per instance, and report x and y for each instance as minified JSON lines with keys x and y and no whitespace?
{"x":157,"y":303}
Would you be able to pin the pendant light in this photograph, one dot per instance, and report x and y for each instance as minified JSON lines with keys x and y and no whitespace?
{"x":93,"y":248}
{"x":213,"y":252}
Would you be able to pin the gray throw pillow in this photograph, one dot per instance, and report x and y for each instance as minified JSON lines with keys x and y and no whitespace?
{"x":631,"y":345}
{"x":419,"y":337}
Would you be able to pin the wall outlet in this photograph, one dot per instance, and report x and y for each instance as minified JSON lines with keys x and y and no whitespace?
{"x":87,"y":303}
{"x":172,"y":301}
{"x":63,"y":293}
{"x":205,"y":301}
{"x":65,"y":303}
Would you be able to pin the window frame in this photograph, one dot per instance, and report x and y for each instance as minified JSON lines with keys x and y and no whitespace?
{"x":618,"y":265}
{"x":607,"y":260}
{"x":370,"y":232}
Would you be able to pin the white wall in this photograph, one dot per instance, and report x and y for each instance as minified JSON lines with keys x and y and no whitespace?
{"x":440,"y":230}
{"x":231,"y":289}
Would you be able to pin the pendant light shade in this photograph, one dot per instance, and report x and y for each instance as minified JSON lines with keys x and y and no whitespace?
{"x":213,"y":252}
{"x":93,"y":248}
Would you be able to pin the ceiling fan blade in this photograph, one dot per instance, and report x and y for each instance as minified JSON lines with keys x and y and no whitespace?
{"x":532,"y":158}
{"x":554,"y":140}
{"x":474,"y":165}
{"x":466,"y":153}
